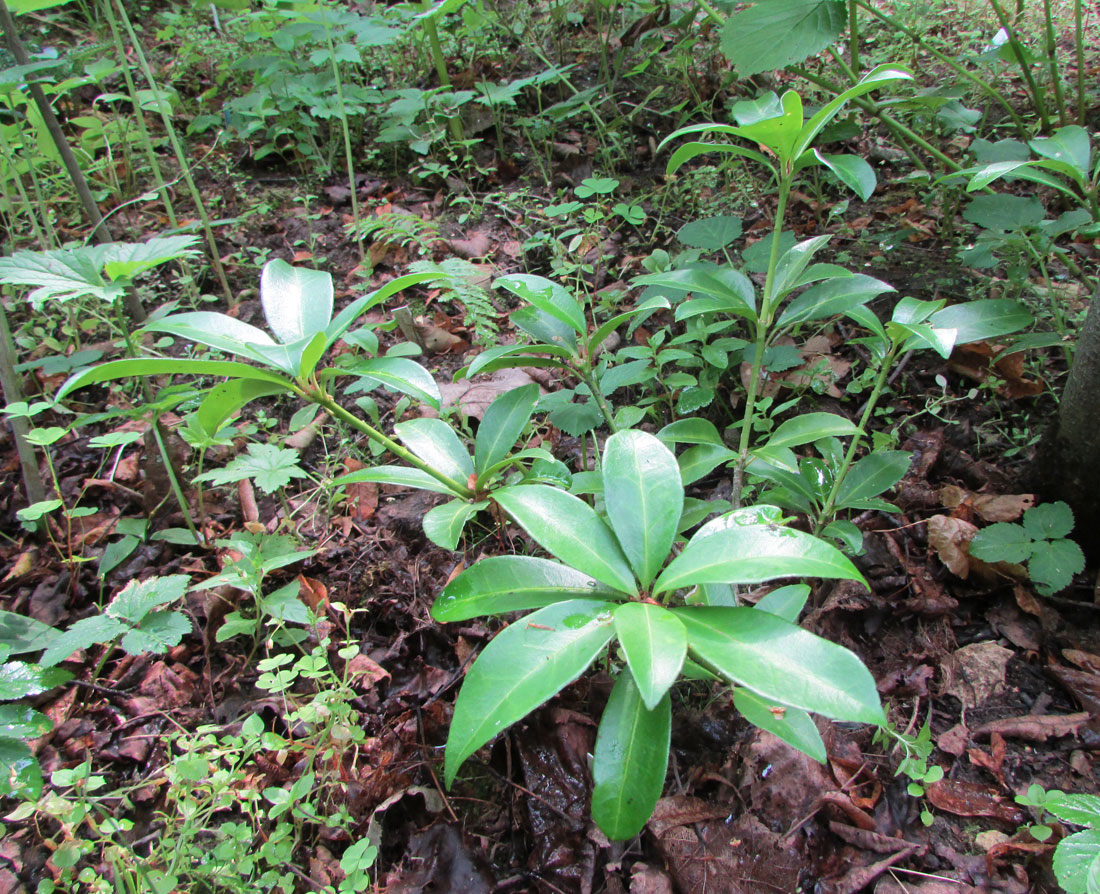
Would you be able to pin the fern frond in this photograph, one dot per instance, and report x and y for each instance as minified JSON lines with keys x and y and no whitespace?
{"x":459,"y":281}
{"x":394,"y":228}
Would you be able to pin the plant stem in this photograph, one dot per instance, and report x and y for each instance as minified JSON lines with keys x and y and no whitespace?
{"x":763,"y":323}
{"x":181,"y":156}
{"x":28,"y":462}
{"x":962,"y":72}
{"x":24,"y":199}
{"x":1079,"y":43}
{"x":320,"y":397}
{"x":853,"y":34}
{"x":597,"y":395}
{"x":1052,"y":63}
{"x":711,"y":12}
{"x":454,"y":123}
{"x":348,"y":158}
{"x":824,"y":516}
{"x":1025,"y":69}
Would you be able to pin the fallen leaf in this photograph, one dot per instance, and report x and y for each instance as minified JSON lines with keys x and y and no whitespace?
{"x":364,"y":672}
{"x":975,"y":672}
{"x":973,"y":799}
{"x":24,"y":564}
{"x":473,"y":398}
{"x":950,"y":538}
{"x":476,"y":246}
{"x":954,"y":741}
{"x":362,"y":498}
{"x":1036,"y":727}
{"x":313,"y":593}
{"x":990,"y":507}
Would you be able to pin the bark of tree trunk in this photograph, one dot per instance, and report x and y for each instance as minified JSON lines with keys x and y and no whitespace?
{"x":1069,"y":464}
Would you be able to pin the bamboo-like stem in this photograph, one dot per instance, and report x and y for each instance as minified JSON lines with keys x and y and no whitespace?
{"x":454,"y":123}
{"x":1079,"y":45}
{"x":177,"y":149}
{"x":348,"y":158}
{"x":1018,"y":51}
{"x":853,"y":34}
{"x":1052,"y":64}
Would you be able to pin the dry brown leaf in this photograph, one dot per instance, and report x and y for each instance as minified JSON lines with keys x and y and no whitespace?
{"x":476,"y":246}
{"x":950,"y":538}
{"x":313,"y":593}
{"x":1036,"y":727}
{"x":364,"y":672}
{"x":473,"y":398}
{"x":24,"y":564}
{"x":975,"y":672}
{"x":990,"y":507}
{"x":973,"y":799}
{"x":362,"y":498}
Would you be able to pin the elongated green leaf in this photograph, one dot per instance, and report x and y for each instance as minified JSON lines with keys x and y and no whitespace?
{"x":400,"y":374}
{"x":297,"y":301}
{"x":502,"y":424}
{"x":777,"y":33}
{"x":20,"y":773}
{"x":524,"y":666}
{"x":443,"y":524}
{"x":793,"y":262}
{"x":693,"y":430}
{"x":873,"y":474}
{"x":732,"y":290}
{"x":23,"y":722}
{"x":568,"y":528}
{"x":435,"y":442}
{"x":140,"y":366}
{"x":883,"y":74}
{"x":785,"y":602}
{"x":657,"y":302}
{"x":700,"y":460}
{"x":834,"y":296}
{"x":19,"y":634}
{"x":852,"y":171}
{"x":983,"y":319}
{"x":531,"y":453}
{"x":644,"y":499}
{"x":1069,"y":145}
{"x":84,"y":634}
{"x":548,"y":296}
{"x":224,"y":400}
{"x":401,"y":476}
{"x":810,"y":427}
{"x":781,"y":661}
{"x":501,"y":584}
{"x":545,"y":329}
{"x":688,"y":151}
{"x":219,"y":331}
{"x":655,"y":645}
{"x":503,"y":356}
{"x":629,"y":761}
{"x":751,"y":555}
{"x":361,"y":305}
{"x":793,"y":725}
{"x":19,"y":679}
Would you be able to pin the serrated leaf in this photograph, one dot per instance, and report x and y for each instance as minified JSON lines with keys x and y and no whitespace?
{"x":268,"y":465}
{"x":753,"y":554}
{"x":157,"y":633}
{"x":138,"y":598}
{"x":19,"y":679}
{"x":1053,"y":564}
{"x":524,"y":666}
{"x":297,"y":302}
{"x":629,"y":760}
{"x":501,"y":584}
{"x":782,"y":662}
{"x":23,"y":722}
{"x":1076,"y":860}
{"x":84,"y":634}
{"x":443,"y":524}
{"x":644,"y":499}
{"x":777,"y":33}
{"x":655,"y":645}
{"x":1080,"y":809}
{"x":569,"y":529}
{"x":1001,"y":542}
{"x":60,"y":275}
{"x":793,"y":725}
{"x":1049,"y":521}
{"x":125,"y":260}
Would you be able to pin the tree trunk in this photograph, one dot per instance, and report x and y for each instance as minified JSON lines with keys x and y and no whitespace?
{"x":1069,"y":464}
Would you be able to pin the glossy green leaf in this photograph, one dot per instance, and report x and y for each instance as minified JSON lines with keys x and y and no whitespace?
{"x":443,"y":524}
{"x":1077,"y":862}
{"x":782,"y":662}
{"x":398,"y":374}
{"x":731,"y":290}
{"x":643,"y":497}
{"x":793,"y":262}
{"x":502,"y":424}
{"x":655,"y":645}
{"x":140,"y":367}
{"x":688,"y":151}
{"x":1069,"y":145}
{"x":401,"y":476}
{"x":362,"y":304}
{"x":654,"y":303}
{"x":874,"y":474}
{"x":832,"y":297}
{"x":877,"y":77}
{"x":531,"y":453}
{"x":297,"y":301}
{"x":435,"y":442}
{"x":793,"y":725}
{"x":785,"y":602}
{"x":700,"y":460}
{"x":569,"y":529}
{"x":220,"y":331}
{"x":548,"y":296}
{"x":545,"y":329}
{"x":501,"y":584}
{"x":19,"y":634}
{"x":852,"y":171}
{"x":693,"y":430}
{"x":23,"y":722}
{"x":984,"y":319}
{"x":524,"y":666}
{"x":752,"y":555}
{"x":19,"y":679}
{"x":224,"y":400}
{"x":810,"y":427}
{"x":629,"y":761}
